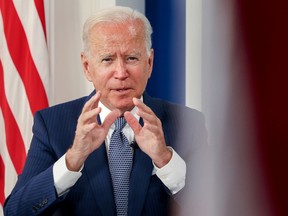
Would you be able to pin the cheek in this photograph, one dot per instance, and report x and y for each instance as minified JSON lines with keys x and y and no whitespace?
{"x":99,"y":81}
{"x":141,"y":81}
{"x":142,"y":73}
{"x":145,"y":76}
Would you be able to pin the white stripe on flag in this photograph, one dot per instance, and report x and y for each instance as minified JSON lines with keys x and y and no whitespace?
{"x":36,"y":38}
{"x":15,"y":92}
{"x":10,"y":172}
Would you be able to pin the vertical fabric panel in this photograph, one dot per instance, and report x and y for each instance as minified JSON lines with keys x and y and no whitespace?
{"x":264,"y":30}
{"x":168,"y":22}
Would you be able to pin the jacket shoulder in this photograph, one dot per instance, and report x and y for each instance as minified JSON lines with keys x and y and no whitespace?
{"x":169,"y":108}
{"x":66,"y":107}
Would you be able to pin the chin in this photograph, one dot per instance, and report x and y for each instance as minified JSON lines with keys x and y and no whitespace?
{"x":124,"y":106}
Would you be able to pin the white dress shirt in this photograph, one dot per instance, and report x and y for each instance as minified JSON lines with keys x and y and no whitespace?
{"x":172,"y":174}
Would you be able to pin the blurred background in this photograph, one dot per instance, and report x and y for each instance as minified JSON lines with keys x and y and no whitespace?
{"x":226,"y":58}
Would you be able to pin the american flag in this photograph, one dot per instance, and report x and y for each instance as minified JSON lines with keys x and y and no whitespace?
{"x":24,"y":81}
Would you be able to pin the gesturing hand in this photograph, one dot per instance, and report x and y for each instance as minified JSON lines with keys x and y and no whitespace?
{"x":150,"y":137}
{"x":89,"y":134}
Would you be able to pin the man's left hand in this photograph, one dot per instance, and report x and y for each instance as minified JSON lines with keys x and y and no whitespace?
{"x":150,"y":137}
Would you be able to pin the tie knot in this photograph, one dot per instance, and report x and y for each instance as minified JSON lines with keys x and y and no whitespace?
{"x":120,"y":123}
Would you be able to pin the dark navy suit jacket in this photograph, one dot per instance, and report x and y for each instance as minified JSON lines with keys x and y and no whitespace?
{"x":53,"y":134}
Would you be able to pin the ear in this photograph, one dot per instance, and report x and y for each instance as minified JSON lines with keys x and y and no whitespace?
{"x":85,"y":66}
{"x":150,"y":62}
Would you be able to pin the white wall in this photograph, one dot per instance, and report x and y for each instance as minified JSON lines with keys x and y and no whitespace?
{"x":194,"y":54}
{"x":64,"y":20}
{"x":138,"y":4}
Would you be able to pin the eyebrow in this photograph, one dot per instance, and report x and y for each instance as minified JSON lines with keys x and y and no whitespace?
{"x":135,"y":54}
{"x":105,"y":55}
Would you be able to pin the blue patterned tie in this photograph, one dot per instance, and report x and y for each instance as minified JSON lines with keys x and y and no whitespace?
{"x":120,"y":163}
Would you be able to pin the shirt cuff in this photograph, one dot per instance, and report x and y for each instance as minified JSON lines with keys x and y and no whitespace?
{"x":173,"y":174}
{"x":64,"y":179}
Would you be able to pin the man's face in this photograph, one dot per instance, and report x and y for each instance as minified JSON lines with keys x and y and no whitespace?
{"x":119,"y":65}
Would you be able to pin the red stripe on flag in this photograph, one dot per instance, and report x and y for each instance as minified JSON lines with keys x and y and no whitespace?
{"x":20,"y":53}
{"x":2,"y":181}
{"x":14,"y":141}
{"x":41,"y":13}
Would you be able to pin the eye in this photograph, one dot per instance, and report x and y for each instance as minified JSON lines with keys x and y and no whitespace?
{"x":107,"y":60}
{"x":132,"y":59}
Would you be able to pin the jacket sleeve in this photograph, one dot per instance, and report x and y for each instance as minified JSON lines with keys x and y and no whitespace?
{"x":34,"y":191}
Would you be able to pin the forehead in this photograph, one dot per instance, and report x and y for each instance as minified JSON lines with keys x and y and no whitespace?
{"x":113,"y":35}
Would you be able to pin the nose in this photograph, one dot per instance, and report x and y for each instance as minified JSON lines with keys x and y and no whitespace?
{"x":121,"y":70}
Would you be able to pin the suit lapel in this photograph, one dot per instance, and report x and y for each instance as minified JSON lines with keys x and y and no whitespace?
{"x":97,"y":171}
{"x":139,"y":182}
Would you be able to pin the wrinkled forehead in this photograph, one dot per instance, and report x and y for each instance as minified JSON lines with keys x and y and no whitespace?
{"x":131,"y":28}
{"x":109,"y":34}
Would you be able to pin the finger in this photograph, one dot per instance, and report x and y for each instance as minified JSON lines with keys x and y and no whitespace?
{"x":141,"y":106}
{"x":88,"y":128}
{"x":98,"y":96}
{"x":132,"y":121}
{"x":92,"y":102}
{"x":90,"y":116}
{"x":110,"y":119}
{"x":153,"y":129}
{"x":145,"y":112}
{"x":147,"y":117}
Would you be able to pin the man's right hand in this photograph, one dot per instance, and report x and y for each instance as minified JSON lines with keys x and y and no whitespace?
{"x":89,"y":134}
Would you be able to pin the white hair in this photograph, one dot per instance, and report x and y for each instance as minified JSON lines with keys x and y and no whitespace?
{"x":116,"y":14}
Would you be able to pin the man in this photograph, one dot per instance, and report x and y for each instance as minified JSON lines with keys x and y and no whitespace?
{"x":71,"y":168}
